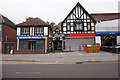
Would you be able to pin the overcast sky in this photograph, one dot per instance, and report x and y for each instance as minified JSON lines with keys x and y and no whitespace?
{"x":52,"y":10}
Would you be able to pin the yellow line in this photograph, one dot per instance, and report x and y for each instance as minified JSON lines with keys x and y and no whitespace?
{"x":20,"y":62}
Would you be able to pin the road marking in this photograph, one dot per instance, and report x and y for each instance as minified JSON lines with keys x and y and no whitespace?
{"x":93,"y":60}
{"x":56,"y":62}
{"x":9,"y":59}
{"x":61,"y":54}
{"x":79,"y":53}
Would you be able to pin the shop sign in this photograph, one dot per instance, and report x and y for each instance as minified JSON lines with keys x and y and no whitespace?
{"x":30,"y":37}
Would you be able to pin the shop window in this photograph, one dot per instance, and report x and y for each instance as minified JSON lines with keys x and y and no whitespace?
{"x":39,"y":31}
{"x":108,"y":40}
{"x":23,"y":45}
{"x":40,"y":44}
{"x":25,"y":31}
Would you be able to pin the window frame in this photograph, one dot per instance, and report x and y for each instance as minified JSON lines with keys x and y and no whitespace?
{"x":24,"y":28}
{"x":68,"y":25}
{"x":75,"y":23}
{"x":88,"y":23}
{"x":39,"y":32}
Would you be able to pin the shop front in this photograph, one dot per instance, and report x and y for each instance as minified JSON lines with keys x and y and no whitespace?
{"x":32,"y":43}
{"x":108,"y":40}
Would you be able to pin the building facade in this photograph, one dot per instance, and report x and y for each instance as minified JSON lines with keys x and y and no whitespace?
{"x":108,"y":32}
{"x":33,"y":36}
{"x":57,"y":37}
{"x":77,"y":28}
{"x":107,"y":28}
{"x":7,"y":35}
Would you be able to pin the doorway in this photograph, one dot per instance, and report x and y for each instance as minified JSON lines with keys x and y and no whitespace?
{"x":57,"y":45}
{"x":8,"y":47}
{"x":31,"y":45}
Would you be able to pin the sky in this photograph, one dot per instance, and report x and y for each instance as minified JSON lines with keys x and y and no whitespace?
{"x":52,"y":10}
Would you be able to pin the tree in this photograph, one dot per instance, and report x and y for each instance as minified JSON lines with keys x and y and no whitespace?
{"x":29,"y":18}
{"x":52,"y":24}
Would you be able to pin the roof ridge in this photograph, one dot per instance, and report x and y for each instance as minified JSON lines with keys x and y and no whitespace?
{"x":34,"y":21}
{"x":1,"y":16}
{"x":42,"y":20}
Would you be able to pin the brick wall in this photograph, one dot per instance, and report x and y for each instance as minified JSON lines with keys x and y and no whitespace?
{"x":29,"y":52}
{"x":11,"y":35}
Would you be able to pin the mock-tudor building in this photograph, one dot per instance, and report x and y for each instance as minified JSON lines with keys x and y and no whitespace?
{"x":7,"y":35}
{"x":57,"y":37}
{"x":77,"y":28}
{"x":33,"y":36}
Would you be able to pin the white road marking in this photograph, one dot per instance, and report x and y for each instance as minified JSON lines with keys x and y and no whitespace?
{"x":79,"y":53}
{"x":61,"y":54}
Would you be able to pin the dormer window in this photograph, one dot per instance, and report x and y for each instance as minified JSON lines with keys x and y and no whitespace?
{"x":25,"y":31}
{"x":79,"y":26}
{"x":39,"y":31}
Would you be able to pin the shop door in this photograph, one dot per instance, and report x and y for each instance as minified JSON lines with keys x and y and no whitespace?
{"x":31,"y":45}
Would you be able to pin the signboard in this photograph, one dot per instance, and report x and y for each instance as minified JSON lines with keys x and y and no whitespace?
{"x":83,"y":35}
{"x":30,"y":37}
{"x":113,"y":33}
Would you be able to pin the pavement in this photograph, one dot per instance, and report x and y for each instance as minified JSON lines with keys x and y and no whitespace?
{"x":59,"y":58}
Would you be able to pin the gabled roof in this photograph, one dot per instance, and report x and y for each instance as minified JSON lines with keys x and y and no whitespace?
{"x":78,"y":5}
{"x":33,"y":22}
{"x":4,"y":20}
{"x":105,"y":16}
{"x":58,"y":26}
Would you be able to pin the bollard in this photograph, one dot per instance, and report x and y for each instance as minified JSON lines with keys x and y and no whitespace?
{"x":79,"y":48}
{"x":84,"y":47}
{"x":70,"y":48}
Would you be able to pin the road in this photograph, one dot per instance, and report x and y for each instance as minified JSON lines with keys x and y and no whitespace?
{"x":96,"y":70}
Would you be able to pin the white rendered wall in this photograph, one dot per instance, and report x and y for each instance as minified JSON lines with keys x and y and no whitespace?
{"x":45,"y":31}
{"x":18,"y":31}
{"x":31,"y":31}
{"x":98,"y":39}
{"x":118,"y":39}
{"x":107,"y":26}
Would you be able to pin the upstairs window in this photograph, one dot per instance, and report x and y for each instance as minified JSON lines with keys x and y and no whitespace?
{"x":68,"y":26}
{"x":39,"y":31}
{"x":25,"y":31}
{"x":88,"y":26}
{"x":79,"y":26}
